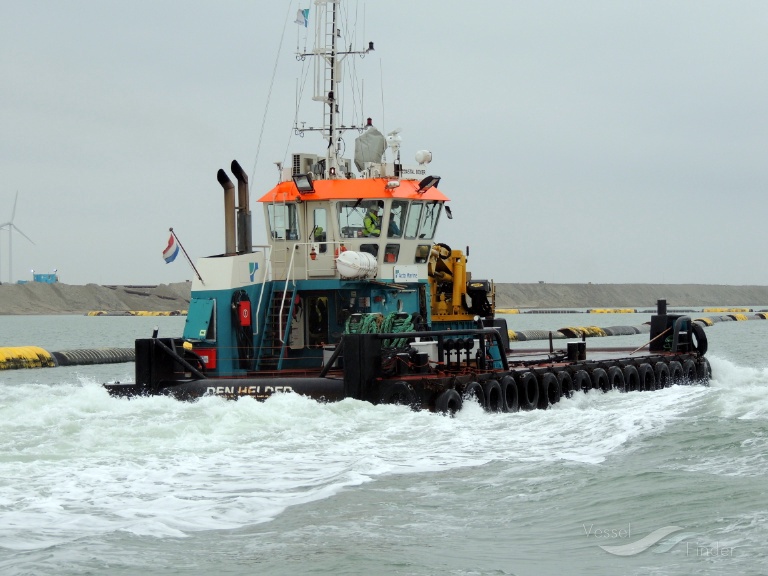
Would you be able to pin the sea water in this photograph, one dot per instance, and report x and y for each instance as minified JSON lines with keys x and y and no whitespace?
{"x":647,"y":483}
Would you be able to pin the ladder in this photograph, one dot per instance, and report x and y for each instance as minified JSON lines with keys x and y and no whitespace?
{"x":272,"y":350}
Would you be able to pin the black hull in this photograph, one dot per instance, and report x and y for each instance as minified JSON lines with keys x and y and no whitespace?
{"x":259,"y":388}
{"x":373,"y":373}
{"x":520,"y":388}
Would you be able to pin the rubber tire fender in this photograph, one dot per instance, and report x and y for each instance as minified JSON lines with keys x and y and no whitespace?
{"x":473,"y":390}
{"x":631,"y":379}
{"x":689,"y":371}
{"x":510,"y":394}
{"x":494,"y":401}
{"x":616,"y":378}
{"x":549,"y":390}
{"x":600,"y":379}
{"x":566,"y":383}
{"x":663,"y":373}
{"x":700,"y":337}
{"x":448,"y":402}
{"x":703,"y":371}
{"x":675,"y":372}
{"x":581,"y":381}
{"x":528,"y":391}
{"x":647,"y":377}
{"x":399,"y":393}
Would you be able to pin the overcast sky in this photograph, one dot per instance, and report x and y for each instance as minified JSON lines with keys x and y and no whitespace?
{"x":604,"y":142}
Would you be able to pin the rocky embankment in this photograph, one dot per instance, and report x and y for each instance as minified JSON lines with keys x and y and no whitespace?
{"x":36,"y":298}
{"x":627,"y":295}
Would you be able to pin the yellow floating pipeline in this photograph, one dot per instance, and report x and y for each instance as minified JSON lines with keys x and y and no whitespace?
{"x":727,"y":310}
{"x":612,"y":311}
{"x":585,"y":331}
{"x":16,"y":357}
{"x":512,"y":335}
{"x":763,"y":315}
{"x":137,"y":313}
{"x":162,"y":313}
{"x":705,"y":321}
{"x":738,"y":317}
{"x":507,"y":311}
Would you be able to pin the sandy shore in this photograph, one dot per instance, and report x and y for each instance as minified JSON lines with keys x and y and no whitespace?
{"x":35,"y":298}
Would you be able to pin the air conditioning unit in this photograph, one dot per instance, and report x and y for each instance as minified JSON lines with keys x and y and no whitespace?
{"x":303,"y":163}
{"x":345,"y":164}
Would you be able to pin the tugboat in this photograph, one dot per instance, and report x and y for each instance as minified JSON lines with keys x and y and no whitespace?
{"x":353,"y":297}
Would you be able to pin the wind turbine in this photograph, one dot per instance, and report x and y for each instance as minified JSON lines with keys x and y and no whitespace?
{"x":10,"y":226}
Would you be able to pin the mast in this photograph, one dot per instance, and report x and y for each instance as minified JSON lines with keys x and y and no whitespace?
{"x":328,"y":77}
{"x":332,"y":155}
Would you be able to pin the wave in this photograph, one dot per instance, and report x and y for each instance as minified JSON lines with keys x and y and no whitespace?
{"x":741,"y":391}
{"x":80,"y":463}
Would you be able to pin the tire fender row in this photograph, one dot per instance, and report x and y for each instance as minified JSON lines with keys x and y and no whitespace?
{"x":540,"y":388}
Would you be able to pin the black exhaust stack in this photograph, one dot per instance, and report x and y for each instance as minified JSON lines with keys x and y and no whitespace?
{"x":244,"y":238}
{"x":229,"y":211}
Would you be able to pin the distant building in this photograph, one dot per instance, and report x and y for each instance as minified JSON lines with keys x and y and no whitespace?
{"x":42,"y":278}
{"x":45,"y":278}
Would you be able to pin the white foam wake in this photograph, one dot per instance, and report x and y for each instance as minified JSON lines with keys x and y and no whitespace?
{"x":77,"y":462}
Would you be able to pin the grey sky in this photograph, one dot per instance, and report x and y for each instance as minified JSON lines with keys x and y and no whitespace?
{"x":601,"y":142}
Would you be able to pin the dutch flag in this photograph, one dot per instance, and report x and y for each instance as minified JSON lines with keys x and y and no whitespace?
{"x":171,"y":251}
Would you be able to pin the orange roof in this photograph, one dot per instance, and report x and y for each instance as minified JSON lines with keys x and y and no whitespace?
{"x":367,"y":188}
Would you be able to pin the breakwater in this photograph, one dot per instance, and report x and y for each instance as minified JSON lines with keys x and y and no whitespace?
{"x":37,"y":298}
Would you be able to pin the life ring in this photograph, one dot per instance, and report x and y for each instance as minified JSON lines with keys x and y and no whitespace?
{"x":474,"y":391}
{"x":700,"y":338}
{"x":615,"y":378}
{"x":398,"y":393}
{"x":663,"y":374}
{"x":647,"y":377}
{"x":509,"y":394}
{"x":493,"y":397}
{"x":528,"y":391}
{"x":631,"y":379}
{"x":689,"y":371}
{"x":600,"y":379}
{"x":675,"y":372}
{"x":549,"y":390}
{"x":581,"y":381}
{"x":241,"y":322}
{"x":448,"y":402}
{"x":566,"y":383}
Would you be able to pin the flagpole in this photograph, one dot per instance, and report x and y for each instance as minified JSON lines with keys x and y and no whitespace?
{"x":187,"y":255}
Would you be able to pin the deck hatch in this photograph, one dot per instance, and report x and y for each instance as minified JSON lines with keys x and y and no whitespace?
{"x":199,"y":325}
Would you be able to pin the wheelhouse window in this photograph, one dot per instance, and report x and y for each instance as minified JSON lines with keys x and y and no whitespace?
{"x":319,"y":228}
{"x":422,"y":219}
{"x":283,"y":221}
{"x":422,"y":253}
{"x":351,"y":214}
{"x":429,"y":217}
{"x":372,"y":249}
{"x":397,"y":218}
{"x":391,"y":253}
{"x":414,"y":216}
